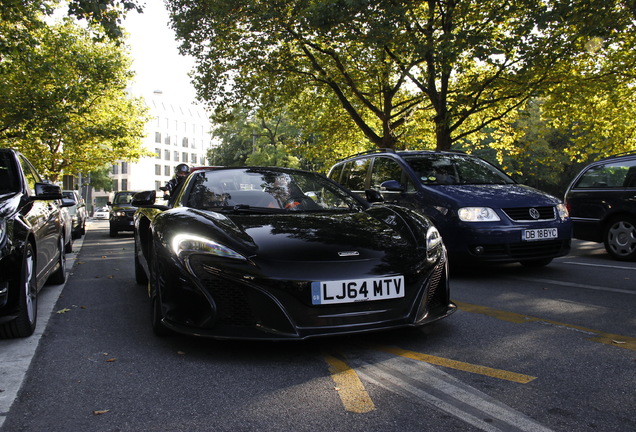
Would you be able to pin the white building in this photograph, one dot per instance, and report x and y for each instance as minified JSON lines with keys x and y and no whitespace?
{"x":179,"y":132}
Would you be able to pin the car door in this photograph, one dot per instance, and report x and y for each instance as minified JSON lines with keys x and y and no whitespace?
{"x":44,"y":218}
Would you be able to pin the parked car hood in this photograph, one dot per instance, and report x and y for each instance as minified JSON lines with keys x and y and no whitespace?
{"x":496,"y":196}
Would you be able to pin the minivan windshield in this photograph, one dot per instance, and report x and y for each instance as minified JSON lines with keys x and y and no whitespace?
{"x":443,"y":169}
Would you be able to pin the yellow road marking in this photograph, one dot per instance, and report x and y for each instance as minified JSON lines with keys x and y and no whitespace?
{"x":454,"y":364}
{"x":352,"y":393}
{"x":620,"y":341}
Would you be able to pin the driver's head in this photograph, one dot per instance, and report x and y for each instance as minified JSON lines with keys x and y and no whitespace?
{"x":181,"y":171}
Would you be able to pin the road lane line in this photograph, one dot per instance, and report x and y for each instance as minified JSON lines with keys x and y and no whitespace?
{"x":427,"y":384}
{"x":352,"y":393}
{"x":616,"y":340}
{"x":573,"y":284}
{"x":599,"y":265}
{"x":458,"y":365}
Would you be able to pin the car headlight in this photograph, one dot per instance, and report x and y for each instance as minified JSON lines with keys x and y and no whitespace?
{"x":562,"y":211}
{"x":185,"y":244}
{"x":119,"y":213}
{"x":477,"y":214}
{"x":433,"y":244}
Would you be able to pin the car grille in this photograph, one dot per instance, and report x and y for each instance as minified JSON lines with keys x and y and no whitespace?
{"x":523,"y":214}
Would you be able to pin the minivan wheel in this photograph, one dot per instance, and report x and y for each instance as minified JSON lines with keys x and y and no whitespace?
{"x":620,"y":238}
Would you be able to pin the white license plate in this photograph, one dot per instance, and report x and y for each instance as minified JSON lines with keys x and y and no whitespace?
{"x":357,"y":290}
{"x":539,"y":234}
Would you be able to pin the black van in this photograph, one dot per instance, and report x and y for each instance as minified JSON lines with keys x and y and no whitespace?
{"x":602,"y":204}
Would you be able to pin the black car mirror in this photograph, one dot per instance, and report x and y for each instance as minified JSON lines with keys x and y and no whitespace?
{"x":67,"y":202}
{"x":47,"y":191}
{"x":146,"y":199}
{"x":392,"y":186}
{"x":373,"y":196}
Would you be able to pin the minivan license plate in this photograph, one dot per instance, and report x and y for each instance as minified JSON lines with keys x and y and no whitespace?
{"x":357,"y":290}
{"x":540,"y":234}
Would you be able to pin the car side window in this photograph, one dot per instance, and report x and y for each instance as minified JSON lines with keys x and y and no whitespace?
{"x":336,"y":172}
{"x":610,"y":175}
{"x":385,"y":169}
{"x":357,"y":174}
{"x":30,"y":174}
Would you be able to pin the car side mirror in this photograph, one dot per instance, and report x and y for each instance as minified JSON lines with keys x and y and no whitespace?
{"x":48,"y":191}
{"x":373,"y":196}
{"x":392,"y":186}
{"x":67,"y":202}
{"x":146,"y":199}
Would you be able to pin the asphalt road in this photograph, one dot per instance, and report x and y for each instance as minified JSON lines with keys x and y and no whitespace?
{"x":528,"y":350}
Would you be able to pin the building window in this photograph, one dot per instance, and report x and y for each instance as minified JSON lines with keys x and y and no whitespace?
{"x":115,"y":185}
{"x":176,"y":156}
{"x":166,"y":140}
{"x":158,"y":151}
{"x":115,"y":169}
{"x":124,"y":184}
{"x":184,"y":157}
{"x":124,"y":167}
{"x":166,"y":154}
{"x":158,"y":137}
{"x":157,"y":169}
{"x":184,"y":142}
{"x":157,"y":185}
{"x":194,"y":158}
{"x":166,"y":170}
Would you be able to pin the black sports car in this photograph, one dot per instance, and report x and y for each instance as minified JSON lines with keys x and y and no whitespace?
{"x":278,"y":253}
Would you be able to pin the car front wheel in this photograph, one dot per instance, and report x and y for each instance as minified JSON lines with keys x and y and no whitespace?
{"x":24,"y":324}
{"x":620,"y":238}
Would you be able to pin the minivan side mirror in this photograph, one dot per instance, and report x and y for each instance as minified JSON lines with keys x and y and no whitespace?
{"x":373,"y":196}
{"x":392,"y":186}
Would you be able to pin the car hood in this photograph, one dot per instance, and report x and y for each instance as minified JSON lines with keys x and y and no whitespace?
{"x":302,"y":237}
{"x":496,"y":196}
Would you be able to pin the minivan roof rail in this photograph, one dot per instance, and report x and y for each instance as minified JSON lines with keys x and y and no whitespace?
{"x":627,"y":153}
{"x":377,"y":150}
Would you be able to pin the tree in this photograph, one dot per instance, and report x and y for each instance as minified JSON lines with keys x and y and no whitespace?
{"x":460,"y":66}
{"x":66,"y":103}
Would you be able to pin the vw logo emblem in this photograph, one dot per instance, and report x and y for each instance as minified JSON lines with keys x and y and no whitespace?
{"x":534,"y":213}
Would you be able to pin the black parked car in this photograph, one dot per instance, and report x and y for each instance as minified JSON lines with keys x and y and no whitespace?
{"x":121,"y":212}
{"x":285,"y":254}
{"x":31,"y":242}
{"x":483,"y":214}
{"x":602,"y":204}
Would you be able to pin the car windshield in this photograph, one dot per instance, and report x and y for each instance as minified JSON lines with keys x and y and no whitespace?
{"x":443,"y":169}
{"x":8,"y":175}
{"x":266,"y":190}
{"x":123,"y":198}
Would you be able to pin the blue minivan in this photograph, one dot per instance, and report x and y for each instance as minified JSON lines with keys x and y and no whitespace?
{"x":482,"y":213}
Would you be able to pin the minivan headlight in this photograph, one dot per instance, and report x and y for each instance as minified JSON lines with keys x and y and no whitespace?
{"x":477,"y":214}
{"x":562,"y":211}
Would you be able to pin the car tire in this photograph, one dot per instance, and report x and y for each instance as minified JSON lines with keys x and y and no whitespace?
{"x":620,"y":238}
{"x":83,"y":230}
{"x":59,"y":276}
{"x":140,"y":275}
{"x":27,"y":313}
{"x":536,"y":262}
